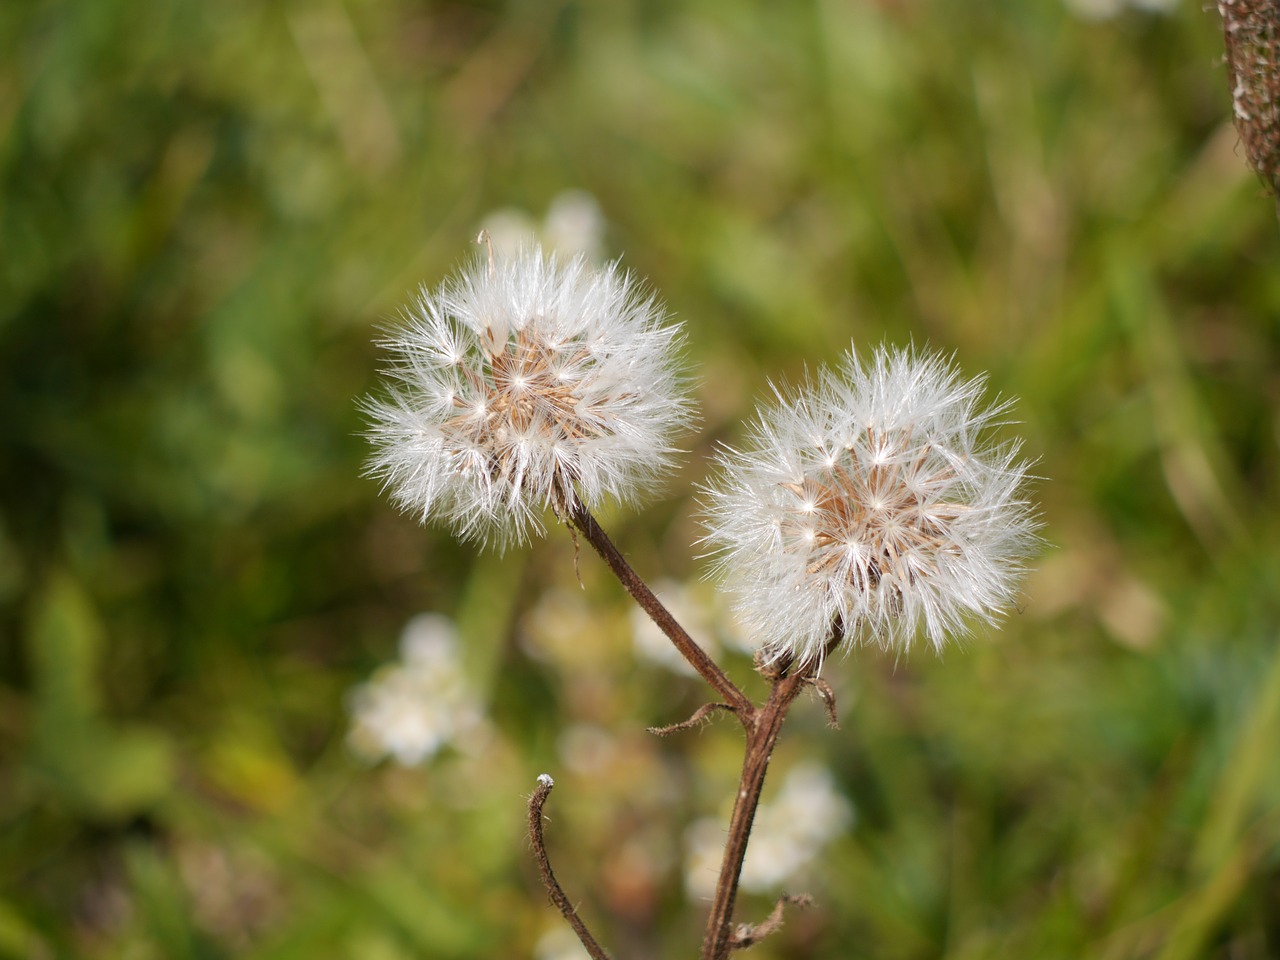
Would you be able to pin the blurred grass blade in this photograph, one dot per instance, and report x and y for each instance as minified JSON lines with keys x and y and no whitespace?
{"x":1230,"y":843}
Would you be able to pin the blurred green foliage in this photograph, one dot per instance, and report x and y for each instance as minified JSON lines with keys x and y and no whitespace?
{"x":206,"y":210}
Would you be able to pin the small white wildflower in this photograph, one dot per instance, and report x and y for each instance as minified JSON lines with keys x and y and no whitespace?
{"x":688,"y":609}
{"x":574,"y":225}
{"x":811,"y":806}
{"x":559,"y":943}
{"x":1107,"y":9}
{"x":870,"y":500}
{"x":527,"y":384}
{"x":411,"y":708}
{"x":430,"y":642}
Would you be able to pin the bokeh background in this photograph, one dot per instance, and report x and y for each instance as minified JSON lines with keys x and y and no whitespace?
{"x":207,"y":209}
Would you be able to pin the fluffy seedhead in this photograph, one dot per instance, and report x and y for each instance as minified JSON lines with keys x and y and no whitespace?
{"x":868,"y":502}
{"x":526,"y":384}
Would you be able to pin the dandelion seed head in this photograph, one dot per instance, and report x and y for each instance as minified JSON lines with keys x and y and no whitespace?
{"x":901,"y":521}
{"x":523,"y":385}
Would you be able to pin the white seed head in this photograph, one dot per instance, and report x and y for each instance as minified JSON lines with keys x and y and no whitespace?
{"x":869,"y":501}
{"x":526,"y":384}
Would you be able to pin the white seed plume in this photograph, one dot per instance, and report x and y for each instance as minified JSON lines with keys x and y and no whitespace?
{"x":870,"y":501}
{"x":526,"y":384}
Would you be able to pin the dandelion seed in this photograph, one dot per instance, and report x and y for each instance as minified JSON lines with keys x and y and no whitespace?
{"x":870,"y":500}
{"x":522,"y":385}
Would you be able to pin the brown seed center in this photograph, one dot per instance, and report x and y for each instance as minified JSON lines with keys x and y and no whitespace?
{"x":874,"y":503}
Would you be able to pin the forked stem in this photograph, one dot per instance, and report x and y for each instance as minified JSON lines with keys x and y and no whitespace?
{"x":761,"y":723}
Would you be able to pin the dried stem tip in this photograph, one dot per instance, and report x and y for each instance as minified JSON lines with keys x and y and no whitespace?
{"x":1251,"y":29}
{"x":554,"y":890}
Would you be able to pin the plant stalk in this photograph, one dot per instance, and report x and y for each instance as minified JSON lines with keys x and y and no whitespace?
{"x":762,"y":724}
{"x":762,"y":735}
{"x":707,"y":668}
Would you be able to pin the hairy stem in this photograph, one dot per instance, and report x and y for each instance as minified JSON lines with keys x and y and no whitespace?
{"x":558,"y":897}
{"x":707,"y":668}
{"x":761,"y":737}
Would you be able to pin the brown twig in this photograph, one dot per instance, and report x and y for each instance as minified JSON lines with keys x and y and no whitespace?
{"x":828,"y":696}
{"x":761,"y":737}
{"x":762,"y":734}
{"x":749,"y":934}
{"x":699,"y":715}
{"x":762,"y":725}
{"x":707,"y":668}
{"x":536,"y":803}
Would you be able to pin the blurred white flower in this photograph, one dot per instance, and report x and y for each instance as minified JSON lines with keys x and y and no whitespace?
{"x":573,"y":225}
{"x":870,"y":499}
{"x":701,"y":611}
{"x":559,"y":942}
{"x":522,"y":385}
{"x":411,"y":708}
{"x":653,"y":645}
{"x":429,"y":642}
{"x":1106,"y":9}
{"x":789,"y":833}
{"x":587,"y":749}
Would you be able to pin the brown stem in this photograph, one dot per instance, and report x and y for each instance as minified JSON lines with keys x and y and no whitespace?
{"x":762,"y":734}
{"x":761,"y":737}
{"x":536,"y":803}
{"x":689,"y":649}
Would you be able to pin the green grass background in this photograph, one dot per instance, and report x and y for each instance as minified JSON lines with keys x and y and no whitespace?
{"x":207,"y":208}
